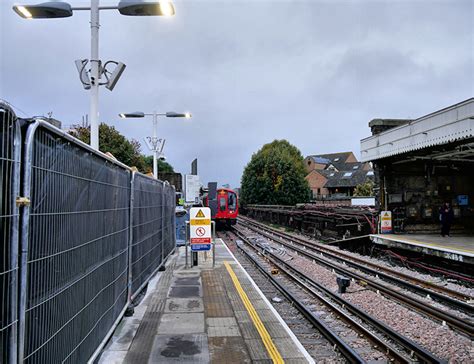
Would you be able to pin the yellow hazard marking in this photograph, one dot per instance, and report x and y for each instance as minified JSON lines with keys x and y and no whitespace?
{"x":267,"y":340}
{"x":200,"y":214}
{"x":200,"y":222}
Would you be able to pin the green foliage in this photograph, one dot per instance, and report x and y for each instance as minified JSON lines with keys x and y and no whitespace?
{"x":365,"y":189}
{"x":124,"y":150}
{"x":162,"y":165}
{"x":275,"y":176}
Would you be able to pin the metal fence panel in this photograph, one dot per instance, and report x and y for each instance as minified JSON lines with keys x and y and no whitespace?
{"x":10,"y":153}
{"x":75,"y":234}
{"x":152,"y":228}
{"x":169,"y":218}
{"x":147,"y":221}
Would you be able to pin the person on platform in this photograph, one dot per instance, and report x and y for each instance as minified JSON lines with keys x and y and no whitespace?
{"x":446,"y":217}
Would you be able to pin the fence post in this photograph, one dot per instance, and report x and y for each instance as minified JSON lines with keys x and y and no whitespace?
{"x":163,"y":223}
{"x":10,"y":155}
{"x":130,"y":241}
{"x":173,"y":219}
{"x":25,"y":219}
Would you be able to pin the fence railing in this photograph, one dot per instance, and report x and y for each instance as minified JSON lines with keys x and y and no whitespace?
{"x":10,"y":154}
{"x":92,"y":234}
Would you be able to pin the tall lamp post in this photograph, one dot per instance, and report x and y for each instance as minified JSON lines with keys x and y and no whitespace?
{"x":154,"y":141}
{"x":60,"y":9}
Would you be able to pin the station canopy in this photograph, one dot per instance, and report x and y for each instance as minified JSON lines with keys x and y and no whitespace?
{"x":444,"y":135}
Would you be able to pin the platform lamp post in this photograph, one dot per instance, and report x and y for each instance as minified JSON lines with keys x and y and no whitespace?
{"x":61,"y":9}
{"x":155,"y":144}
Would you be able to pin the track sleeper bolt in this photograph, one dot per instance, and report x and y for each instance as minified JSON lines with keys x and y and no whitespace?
{"x":443,"y":323}
{"x":378,"y":292}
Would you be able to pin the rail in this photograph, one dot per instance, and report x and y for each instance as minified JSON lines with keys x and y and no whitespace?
{"x":432,"y":311}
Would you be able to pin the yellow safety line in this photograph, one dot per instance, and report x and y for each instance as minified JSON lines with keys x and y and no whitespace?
{"x":267,"y":340}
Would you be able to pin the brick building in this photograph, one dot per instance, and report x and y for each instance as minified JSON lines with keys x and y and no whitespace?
{"x":335,"y":174}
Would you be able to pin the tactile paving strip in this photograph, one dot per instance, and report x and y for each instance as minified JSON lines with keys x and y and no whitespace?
{"x":216,"y":303}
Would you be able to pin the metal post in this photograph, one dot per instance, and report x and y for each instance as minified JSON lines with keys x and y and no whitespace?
{"x":186,"y":243}
{"x":155,"y":147}
{"x":174,"y":218}
{"x":24,"y":240}
{"x":162,"y":223}
{"x":130,"y":239}
{"x":213,"y":243}
{"x":95,"y":74}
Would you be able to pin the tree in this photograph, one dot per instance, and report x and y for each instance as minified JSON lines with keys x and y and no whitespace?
{"x":124,"y":150}
{"x":162,"y":165}
{"x":364,"y":189}
{"x":276,"y":176}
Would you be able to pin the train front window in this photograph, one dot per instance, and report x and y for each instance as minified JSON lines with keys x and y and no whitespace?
{"x":232,"y":202}
{"x":222,"y":203}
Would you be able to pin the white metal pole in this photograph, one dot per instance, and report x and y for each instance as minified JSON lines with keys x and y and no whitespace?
{"x":95,"y":65}
{"x":154,"y":144}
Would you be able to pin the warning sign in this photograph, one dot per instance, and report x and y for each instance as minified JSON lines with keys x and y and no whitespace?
{"x":386,"y":222}
{"x":200,"y":214}
{"x":200,"y":228}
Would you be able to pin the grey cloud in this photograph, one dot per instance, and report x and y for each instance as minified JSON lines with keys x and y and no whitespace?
{"x":314,"y":72}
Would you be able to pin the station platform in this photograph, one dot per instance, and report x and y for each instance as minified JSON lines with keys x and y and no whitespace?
{"x":204,"y":314}
{"x":458,"y":248}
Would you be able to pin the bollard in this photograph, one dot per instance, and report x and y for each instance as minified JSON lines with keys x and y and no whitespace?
{"x":343,"y":283}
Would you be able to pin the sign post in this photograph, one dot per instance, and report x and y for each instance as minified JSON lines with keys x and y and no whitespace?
{"x":200,"y":230}
{"x":386,"y":222}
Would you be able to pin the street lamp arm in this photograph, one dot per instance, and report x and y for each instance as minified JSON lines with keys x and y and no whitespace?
{"x":89,"y":8}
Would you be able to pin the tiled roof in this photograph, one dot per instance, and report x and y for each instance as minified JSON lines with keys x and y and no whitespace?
{"x":336,"y":159}
{"x":347,"y":178}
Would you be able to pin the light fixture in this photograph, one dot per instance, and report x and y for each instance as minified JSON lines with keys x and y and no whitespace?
{"x":54,"y":9}
{"x":136,"y":114}
{"x":146,"y":8}
{"x":172,"y":114}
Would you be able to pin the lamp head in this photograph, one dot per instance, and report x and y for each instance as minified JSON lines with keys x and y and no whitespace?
{"x":136,"y":114}
{"x":172,"y":114}
{"x":146,"y":8}
{"x":49,"y":10}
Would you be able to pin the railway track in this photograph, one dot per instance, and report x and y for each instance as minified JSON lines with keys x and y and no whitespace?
{"x":317,"y":338}
{"x":388,"y":344}
{"x":328,"y":258}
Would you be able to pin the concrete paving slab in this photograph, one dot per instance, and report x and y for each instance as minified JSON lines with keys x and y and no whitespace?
{"x":122,"y":337}
{"x":181,"y":323}
{"x":228,"y":350}
{"x":185,"y":292}
{"x":112,"y":357}
{"x":184,"y":305}
{"x":186,"y":281}
{"x":222,"y":326}
{"x":191,"y":348}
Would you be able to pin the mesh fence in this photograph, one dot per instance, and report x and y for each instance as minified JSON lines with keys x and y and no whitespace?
{"x":76,"y":241}
{"x":147,"y":229}
{"x":91,"y":235}
{"x":169,"y":222}
{"x":10,"y":142}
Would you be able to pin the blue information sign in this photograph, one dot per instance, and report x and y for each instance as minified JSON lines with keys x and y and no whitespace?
{"x":463,"y":200}
{"x":200,"y":247}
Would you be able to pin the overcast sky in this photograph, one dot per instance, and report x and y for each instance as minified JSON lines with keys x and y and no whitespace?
{"x":313,"y":72}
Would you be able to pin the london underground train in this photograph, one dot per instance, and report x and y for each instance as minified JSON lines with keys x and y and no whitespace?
{"x":227,"y":207}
